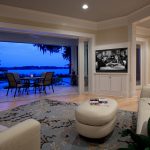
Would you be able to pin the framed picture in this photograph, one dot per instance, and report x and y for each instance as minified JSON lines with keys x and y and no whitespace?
{"x":112,"y":60}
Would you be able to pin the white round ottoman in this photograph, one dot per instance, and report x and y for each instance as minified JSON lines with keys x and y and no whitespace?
{"x":96,"y":121}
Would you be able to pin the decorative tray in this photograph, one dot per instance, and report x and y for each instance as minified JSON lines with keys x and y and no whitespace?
{"x":98,"y":101}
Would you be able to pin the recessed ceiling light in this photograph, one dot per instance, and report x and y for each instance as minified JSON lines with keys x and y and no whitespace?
{"x":85,"y":6}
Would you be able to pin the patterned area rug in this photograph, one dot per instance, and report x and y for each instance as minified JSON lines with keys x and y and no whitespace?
{"x":58,"y":126}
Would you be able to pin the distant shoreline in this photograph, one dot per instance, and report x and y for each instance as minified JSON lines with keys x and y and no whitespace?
{"x":31,"y":68}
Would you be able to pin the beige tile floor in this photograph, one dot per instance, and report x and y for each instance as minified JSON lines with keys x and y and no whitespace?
{"x":62,"y":93}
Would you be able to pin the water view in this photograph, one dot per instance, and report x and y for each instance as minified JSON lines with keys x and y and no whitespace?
{"x":26,"y":59}
{"x":38,"y":72}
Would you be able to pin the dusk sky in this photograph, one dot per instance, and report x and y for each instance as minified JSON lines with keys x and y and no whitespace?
{"x":21,"y":54}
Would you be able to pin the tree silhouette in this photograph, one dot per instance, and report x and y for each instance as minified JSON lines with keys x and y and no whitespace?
{"x":56,"y":49}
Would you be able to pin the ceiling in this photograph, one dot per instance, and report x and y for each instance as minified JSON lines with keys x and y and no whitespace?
{"x":99,"y":10}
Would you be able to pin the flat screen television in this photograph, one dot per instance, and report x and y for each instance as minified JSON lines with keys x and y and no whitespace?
{"x":112,"y":60}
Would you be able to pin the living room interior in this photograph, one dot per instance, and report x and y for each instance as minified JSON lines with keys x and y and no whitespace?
{"x":59,"y":120}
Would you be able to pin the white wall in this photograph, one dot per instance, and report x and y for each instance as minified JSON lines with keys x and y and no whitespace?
{"x":148,"y":48}
{"x":112,"y":35}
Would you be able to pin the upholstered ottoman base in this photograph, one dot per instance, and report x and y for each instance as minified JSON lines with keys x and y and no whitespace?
{"x":95,"y":131}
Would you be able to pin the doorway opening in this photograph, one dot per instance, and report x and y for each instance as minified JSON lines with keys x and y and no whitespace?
{"x":138,"y":65}
{"x":32,"y":60}
{"x":85,"y":66}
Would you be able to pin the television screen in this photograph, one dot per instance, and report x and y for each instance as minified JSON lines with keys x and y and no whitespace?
{"x":112,"y":60}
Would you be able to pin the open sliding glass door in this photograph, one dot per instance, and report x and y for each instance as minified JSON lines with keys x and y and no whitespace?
{"x":138,"y":66}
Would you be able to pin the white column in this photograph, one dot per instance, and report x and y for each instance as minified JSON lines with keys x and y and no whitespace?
{"x":74,"y":58}
{"x":81,"y":66}
{"x":132,"y":60}
{"x":91,"y":64}
{"x":147,"y":62}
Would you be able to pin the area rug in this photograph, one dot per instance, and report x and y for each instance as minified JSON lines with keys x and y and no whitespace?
{"x":58,"y":130}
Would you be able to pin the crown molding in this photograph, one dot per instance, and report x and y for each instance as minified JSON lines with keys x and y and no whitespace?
{"x":140,"y":14}
{"x":113,"y":23}
{"x":31,"y":15}
{"x":135,"y":17}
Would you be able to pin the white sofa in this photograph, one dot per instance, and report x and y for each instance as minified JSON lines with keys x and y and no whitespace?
{"x":23,"y":136}
{"x":143,"y":110}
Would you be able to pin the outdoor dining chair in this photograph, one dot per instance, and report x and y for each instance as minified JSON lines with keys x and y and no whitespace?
{"x":13,"y":83}
{"x":37,"y":83}
{"x":17,"y":77}
{"x":25,"y":83}
{"x":47,"y":81}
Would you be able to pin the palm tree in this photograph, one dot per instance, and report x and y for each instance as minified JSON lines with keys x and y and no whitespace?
{"x":56,"y":49}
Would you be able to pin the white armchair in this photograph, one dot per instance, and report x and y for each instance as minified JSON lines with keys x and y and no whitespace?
{"x":23,"y":136}
{"x":145,"y":92}
{"x":143,"y":110}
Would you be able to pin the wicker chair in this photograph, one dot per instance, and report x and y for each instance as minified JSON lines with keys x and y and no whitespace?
{"x":13,"y":83}
{"x":46,"y":81}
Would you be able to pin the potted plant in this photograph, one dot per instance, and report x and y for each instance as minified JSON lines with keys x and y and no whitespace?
{"x":140,"y":142}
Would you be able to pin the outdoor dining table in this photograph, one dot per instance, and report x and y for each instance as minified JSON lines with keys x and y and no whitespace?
{"x":31,"y":81}
{"x":32,"y":78}
{"x":39,"y":83}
